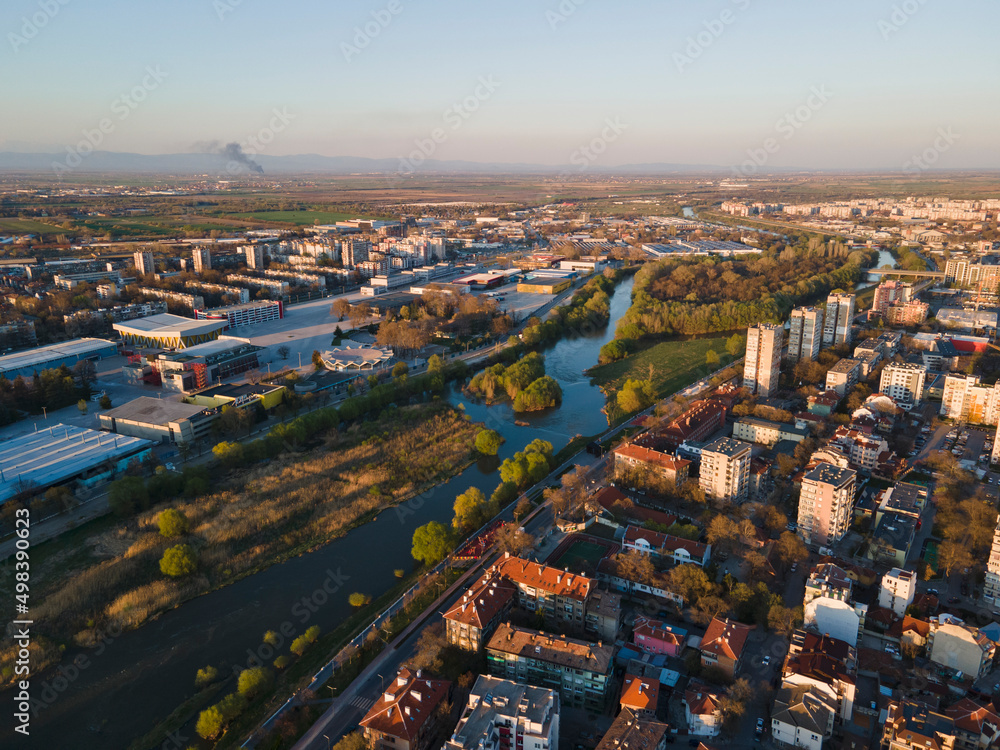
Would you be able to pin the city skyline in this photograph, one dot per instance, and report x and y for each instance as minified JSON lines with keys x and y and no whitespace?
{"x":732,"y":84}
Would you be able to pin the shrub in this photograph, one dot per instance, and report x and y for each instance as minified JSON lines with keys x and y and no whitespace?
{"x":127,"y":495}
{"x":179,"y":561}
{"x":431,"y":542}
{"x":272,"y":639}
{"x":282,"y":661}
{"x":105,"y":402}
{"x":206,"y":676}
{"x":399,"y":572}
{"x":252,"y":682}
{"x":172,"y":523}
{"x":357,"y":599}
{"x":232,"y":706}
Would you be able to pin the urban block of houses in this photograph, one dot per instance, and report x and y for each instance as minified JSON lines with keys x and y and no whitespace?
{"x":405,"y":715}
{"x":608,"y":572}
{"x":826,"y":663}
{"x":656,"y":637}
{"x":724,"y":645}
{"x":666,"y":546}
{"x":913,"y":726}
{"x":579,"y":671}
{"x":502,"y":714}
{"x":976,"y":727}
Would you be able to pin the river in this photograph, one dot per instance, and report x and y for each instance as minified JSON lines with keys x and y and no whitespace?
{"x":143,"y":675}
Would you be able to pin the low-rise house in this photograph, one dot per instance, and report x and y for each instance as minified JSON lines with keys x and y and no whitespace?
{"x":666,"y":546}
{"x":640,"y":694}
{"x":632,"y":730}
{"x":609,"y":572}
{"x":405,"y":716}
{"x":724,"y":644}
{"x":802,"y":716}
{"x":702,"y":709}
{"x":502,"y":714}
{"x":656,"y":637}
{"x":580,"y":671}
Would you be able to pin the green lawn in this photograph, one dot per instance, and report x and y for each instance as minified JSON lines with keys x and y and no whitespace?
{"x":302,"y":218}
{"x":29,"y":226}
{"x":586,"y":552}
{"x":675,"y":364}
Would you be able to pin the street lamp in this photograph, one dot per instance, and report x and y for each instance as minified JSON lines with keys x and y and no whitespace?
{"x":383,"y":681}
{"x":329,"y":742}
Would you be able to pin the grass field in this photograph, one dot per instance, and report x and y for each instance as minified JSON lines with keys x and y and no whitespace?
{"x":671,"y":364}
{"x":301,"y":218}
{"x":29,"y":226}
{"x":587,"y":553}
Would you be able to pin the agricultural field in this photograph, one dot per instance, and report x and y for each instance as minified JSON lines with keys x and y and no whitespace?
{"x":300,"y":218}
{"x":29,"y":226}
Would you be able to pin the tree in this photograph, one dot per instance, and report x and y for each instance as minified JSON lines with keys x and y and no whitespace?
{"x":172,"y":522}
{"x":522,"y":509}
{"x":230,"y":455}
{"x":400,"y":368}
{"x":82,"y":406}
{"x":791,"y":549}
{"x":431,"y":543}
{"x":272,"y":639}
{"x":723,"y":533}
{"x":430,"y":645}
{"x":254,"y":681}
{"x":736,"y":345}
{"x":284,"y":350}
{"x":635,"y":395}
{"x":488,"y":442}
{"x":690,"y":581}
{"x":953,"y":555}
{"x":210,"y":723}
{"x":359,"y":313}
{"x":206,"y":676}
{"x":510,"y":538}
{"x":470,"y":509}
{"x":179,"y":561}
{"x":301,"y":644}
{"x":317,"y":360}
{"x":357,"y":599}
{"x":711,"y":358}
{"x":352,"y":741}
{"x":733,"y":704}
{"x":708,"y":608}
{"x":126,"y":495}
{"x":784,"y":620}
{"x":340,"y":307}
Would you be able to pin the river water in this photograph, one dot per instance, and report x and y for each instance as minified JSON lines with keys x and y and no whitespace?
{"x":141,"y":676}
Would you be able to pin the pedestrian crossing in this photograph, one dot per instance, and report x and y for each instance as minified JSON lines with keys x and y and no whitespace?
{"x":363,"y":703}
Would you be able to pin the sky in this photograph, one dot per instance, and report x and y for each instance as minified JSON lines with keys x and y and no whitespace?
{"x":851,"y":84}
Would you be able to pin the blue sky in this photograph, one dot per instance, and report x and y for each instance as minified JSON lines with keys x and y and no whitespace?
{"x":687,"y":82}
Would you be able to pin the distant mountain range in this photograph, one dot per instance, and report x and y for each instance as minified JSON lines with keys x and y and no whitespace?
{"x":216,"y":164}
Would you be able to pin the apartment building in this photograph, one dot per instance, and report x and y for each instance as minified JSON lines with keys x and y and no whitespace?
{"x":969,"y":271}
{"x":915,"y":726}
{"x":897,"y":590}
{"x":960,"y":647}
{"x":826,"y":663}
{"x":702,"y":419}
{"x":826,"y":504}
{"x":143,"y":260}
{"x":904,"y":383}
{"x":275,"y":286}
{"x":201,"y":259}
{"x":254,"y":255}
{"x":843,"y":376}
{"x":912,"y":313}
{"x":802,"y":716}
{"x":763,"y":359}
{"x":405,"y":717}
{"x":965,"y":400}
{"x":977,"y":727}
{"x":473,"y":619}
{"x":889,"y":293}
{"x":632,"y":459}
{"x":991,"y":589}
{"x":838,"y":319}
{"x":631,"y":729}
{"x":766,"y":432}
{"x":725,"y":470}
{"x":505,"y":715}
{"x":578,"y":670}
{"x":806,"y":334}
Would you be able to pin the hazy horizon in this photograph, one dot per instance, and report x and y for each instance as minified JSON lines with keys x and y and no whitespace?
{"x":856,"y":86}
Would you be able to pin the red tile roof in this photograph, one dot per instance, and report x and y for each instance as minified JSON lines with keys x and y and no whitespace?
{"x":665,"y":542}
{"x":656,"y":629}
{"x":551,"y":580}
{"x":725,"y":638}
{"x":606,"y":497}
{"x":406,"y":704}
{"x":640,"y":693}
{"x":970,"y":717}
{"x":646,"y":455}
{"x":700,"y":700}
{"x":481,"y":603}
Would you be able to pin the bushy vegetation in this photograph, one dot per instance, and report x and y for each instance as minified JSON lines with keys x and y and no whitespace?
{"x":587,"y":311}
{"x":52,"y":389}
{"x":488,"y":442}
{"x":172,"y":523}
{"x":179,"y":561}
{"x":529,"y":466}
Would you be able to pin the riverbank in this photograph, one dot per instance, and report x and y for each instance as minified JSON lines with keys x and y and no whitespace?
{"x":109,"y":581}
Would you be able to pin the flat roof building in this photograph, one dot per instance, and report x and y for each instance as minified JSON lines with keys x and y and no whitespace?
{"x":168,"y":331}
{"x":502,"y":714}
{"x":63,"y":453}
{"x":67,"y":353}
{"x":159,"y":419}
